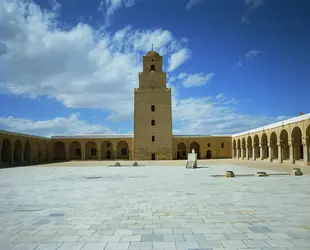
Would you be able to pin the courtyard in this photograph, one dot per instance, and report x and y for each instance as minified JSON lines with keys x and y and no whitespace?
{"x":162,"y":205}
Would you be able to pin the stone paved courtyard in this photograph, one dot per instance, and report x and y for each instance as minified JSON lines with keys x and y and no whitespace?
{"x":154,"y":207}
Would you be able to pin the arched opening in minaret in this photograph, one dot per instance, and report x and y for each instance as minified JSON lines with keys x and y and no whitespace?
{"x":152,"y":68}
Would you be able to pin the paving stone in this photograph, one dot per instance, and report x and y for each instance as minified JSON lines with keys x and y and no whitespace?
{"x":95,"y":246}
{"x":260,"y":229}
{"x":141,"y":246}
{"x":117,"y":246}
{"x":131,"y":238}
{"x":48,"y":246}
{"x":187,"y":245}
{"x":164,"y":246}
{"x":233,"y":244}
{"x":256,"y":243}
{"x":152,"y":238}
{"x":279,"y":243}
{"x":71,"y":246}
{"x":25,"y":246}
{"x":259,"y":236}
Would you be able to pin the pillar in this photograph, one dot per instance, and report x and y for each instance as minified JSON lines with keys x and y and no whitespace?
{"x":233,"y":153}
{"x":261,"y":148}
{"x":247,"y":152}
{"x":82,"y":155}
{"x":67,"y":155}
{"x":280,"y":153}
{"x":1,"y":140}
{"x":305,"y":153}
{"x":238,"y":153}
{"x":292,"y":153}
{"x":253,"y":153}
{"x":242,"y":153}
{"x":270,"y":152}
{"x":12,"y":155}
{"x":98,"y":154}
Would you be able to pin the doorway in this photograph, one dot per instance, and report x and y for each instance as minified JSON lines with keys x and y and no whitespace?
{"x":209,"y":154}
{"x":153,"y":157}
{"x":109,"y":154}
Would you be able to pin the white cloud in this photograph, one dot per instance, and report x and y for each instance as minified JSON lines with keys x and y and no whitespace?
{"x":59,"y":125}
{"x":194,"y":80}
{"x":248,"y":56}
{"x":178,"y":58}
{"x":109,"y":7}
{"x":251,"y":5}
{"x":214,"y":115}
{"x":192,"y":3}
{"x":81,"y":67}
{"x":251,"y":54}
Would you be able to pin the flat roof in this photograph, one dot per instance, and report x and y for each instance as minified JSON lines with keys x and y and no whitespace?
{"x":80,"y":136}
{"x":22,"y":134}
{"x":277,"y":124}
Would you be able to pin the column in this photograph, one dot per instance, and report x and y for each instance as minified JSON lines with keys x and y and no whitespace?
{"x":67,"y":155}
{"x":82,"y":155}
{"x":253,"y":153}
{"x":280,"y":152}
{"x":242,"y":153}
{"x":12,"y":155}
{"x":270,"y":152}
{"x":238,"y":153}
{"x":247,"y":152}
{"x":306,"y":156}
{"x":292,"y":155}
{"x":0,"y":150}
{"x":233,"y":153}
{"x":261,"y":148}
{"x":99,"y":154}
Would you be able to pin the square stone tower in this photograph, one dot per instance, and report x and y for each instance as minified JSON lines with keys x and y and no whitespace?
{"x":152,"y":112}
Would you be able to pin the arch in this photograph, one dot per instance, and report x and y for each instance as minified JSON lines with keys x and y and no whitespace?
{"x":59,"y":151}
{"x":91,"y":150}
{"x":238,"y":148}
{"x":27,"y":153}
{"x":208,"y":154}
{"x":308,"y":143}
{"x":249,"y":147}
{"x":75,"y":151}
{"x":243,"y":150}
{"x":256,"y":146}
{"x":107,"y":152}
{"x":18,"y":152}
{"x":122,"y":150}
{"x":264,"y":144}
{"x":181,"y":151}
{"x":297,"y":143}
{"x":44,"y":152}
{"x":6,"y":151}
{"x":234,"y":149}
{"x":39,"y":152}
{"x":284,"y":144}
{"x":195,"y":145}
{"x":273,"y":145}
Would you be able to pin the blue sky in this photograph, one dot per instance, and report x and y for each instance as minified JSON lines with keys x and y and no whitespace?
{"x":69,"y":67}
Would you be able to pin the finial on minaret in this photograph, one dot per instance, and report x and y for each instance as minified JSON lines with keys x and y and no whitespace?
{"x":152,"y":47}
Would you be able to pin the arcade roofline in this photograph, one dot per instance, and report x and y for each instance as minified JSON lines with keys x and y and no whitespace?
{"x":274,"y":125}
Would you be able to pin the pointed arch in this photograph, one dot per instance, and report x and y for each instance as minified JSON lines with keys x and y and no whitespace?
{"x":296,"y":138}
{"x":273,"y":145}
{"x":18,"y":152}
{"x":59,"y":151}
{"x":122,"y":150}
{"x":284,"y":144}
{"x":91,"y":150}
{"x":195,"y":145}
{"x":249,"y":147}
{"x":234,"y":149}
{"x":75,"y":151}
{"x":256,"y":146}
{"x":27,"y":153}
{"x":238,"y":148}
{"x":107,"y":151}
{"x":264,"y":144}
{"x":181,"y":151}
{"x":6,"y":151}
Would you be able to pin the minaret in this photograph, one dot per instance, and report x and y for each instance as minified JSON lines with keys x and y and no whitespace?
{"x":152,"y":112}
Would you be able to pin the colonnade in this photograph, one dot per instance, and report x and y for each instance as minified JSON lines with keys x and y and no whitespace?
{"x":281,"y":145}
